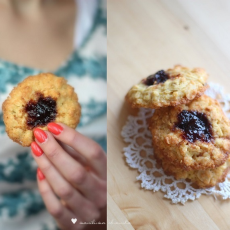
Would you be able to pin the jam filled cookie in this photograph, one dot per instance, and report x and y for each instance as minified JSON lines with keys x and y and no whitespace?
{"x":168,"y":88}
{"x":202,"y":178}
{"x":35,"y":102}
{"x":195,"y":136}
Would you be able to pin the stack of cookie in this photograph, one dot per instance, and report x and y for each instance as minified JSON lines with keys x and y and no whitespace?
{"x":190,"y":132}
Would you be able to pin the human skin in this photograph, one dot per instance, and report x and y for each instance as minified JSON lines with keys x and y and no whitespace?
{"x":37,"y":33}
{"x":76,"y":175}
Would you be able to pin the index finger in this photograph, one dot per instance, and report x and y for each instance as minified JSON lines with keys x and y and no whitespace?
{"x":94,"y":154}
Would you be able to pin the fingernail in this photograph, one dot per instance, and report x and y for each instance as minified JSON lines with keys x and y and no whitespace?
{"x":40,"y":174}
{"x":55,"y":128}
{"x":40,"y":135}
{"x":36,"y":149}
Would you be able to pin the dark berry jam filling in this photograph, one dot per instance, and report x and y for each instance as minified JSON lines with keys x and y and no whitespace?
{"x":40,"y":112}
{"x":195,"y":126}
{"x":157,"y":78}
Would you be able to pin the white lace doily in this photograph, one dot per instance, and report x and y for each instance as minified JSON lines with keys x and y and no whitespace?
{"x":139,"y":155}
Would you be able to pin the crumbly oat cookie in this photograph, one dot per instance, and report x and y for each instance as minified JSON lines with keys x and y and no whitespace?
{"x":202,"y":178}
{"x":35,"y":102}
{"x":193,"y":136}
{"x":168,"y":88}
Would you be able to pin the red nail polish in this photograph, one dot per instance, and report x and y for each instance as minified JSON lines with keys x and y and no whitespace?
{"x":36,"y":149}
{"x":40,"y":135}
{"x":55,"y":128}
{"x":40,"y":174}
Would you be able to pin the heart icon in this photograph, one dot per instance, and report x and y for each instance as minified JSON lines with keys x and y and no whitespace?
{"x":74,"y":220}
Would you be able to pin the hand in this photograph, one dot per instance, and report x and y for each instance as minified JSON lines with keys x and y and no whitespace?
{"x":72,"y":167}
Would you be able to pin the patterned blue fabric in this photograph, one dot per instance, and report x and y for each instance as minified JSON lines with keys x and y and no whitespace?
{"x":19,"y":167}
{"x":76,"y":64}
{"x":30,"y":201}
{"x":20,"y":170}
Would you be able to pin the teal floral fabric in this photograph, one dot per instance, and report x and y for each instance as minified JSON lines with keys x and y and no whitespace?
{"x":18,"y":171}
{"x":21,"y":206}
{"x":76,"y":64}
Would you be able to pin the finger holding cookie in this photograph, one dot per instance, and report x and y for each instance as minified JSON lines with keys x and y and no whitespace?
{"x":75,"y":173}
{"x":68,"y":179}
{"x":89,"y":149}
{"x":72,"y":168}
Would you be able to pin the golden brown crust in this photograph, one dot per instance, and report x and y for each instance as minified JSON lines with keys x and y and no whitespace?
{"x":181,"y":153}
{"x":202,"y":178}
{"x":14,"y":114}
{"x":183,"y":85}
